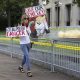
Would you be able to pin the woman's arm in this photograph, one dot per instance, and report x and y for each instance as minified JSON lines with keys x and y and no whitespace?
{"x":28,"y":30}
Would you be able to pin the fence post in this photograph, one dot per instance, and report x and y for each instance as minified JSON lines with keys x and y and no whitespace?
{"x":12,"y":47}
{"x":52,"y":57}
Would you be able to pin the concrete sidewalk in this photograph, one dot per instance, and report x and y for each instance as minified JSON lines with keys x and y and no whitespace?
{"x":9,"y":71}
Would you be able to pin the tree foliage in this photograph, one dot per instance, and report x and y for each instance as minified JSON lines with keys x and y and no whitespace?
{"x":11,"y":10}
{"x":78,"y":2}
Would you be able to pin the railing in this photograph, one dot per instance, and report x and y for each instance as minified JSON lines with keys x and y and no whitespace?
{"x":62,"y":53}
{"x":67,"y":54}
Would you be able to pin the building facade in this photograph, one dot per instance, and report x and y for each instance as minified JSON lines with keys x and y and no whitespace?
{"x":62,"y":12}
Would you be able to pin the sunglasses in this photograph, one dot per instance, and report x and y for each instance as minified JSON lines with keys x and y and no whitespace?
{"x":25,"y":18}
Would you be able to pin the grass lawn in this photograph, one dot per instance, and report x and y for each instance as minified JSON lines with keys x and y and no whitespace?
{"x":2,"y":32}
{"x":62,"y":47}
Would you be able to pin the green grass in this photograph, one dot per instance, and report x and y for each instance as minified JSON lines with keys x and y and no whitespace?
{"x":56,"y":50}
{"x":2,"y":32}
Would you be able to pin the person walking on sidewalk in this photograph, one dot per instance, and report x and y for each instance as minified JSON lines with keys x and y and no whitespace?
{"x":25,"y":47}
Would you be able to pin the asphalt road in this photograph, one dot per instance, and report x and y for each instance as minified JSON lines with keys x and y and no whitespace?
{"x":9,"y":71}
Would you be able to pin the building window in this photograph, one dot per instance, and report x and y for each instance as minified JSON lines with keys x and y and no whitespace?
{"x":57,"y":10}
{"x":68,"y":14}
{"x":79,"y":15}
{"x":48,"y":17}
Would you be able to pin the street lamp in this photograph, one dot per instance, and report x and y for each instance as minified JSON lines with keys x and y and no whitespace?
{"x":57,"y":4}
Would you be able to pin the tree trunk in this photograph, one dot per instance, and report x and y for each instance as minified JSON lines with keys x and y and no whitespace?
{"x":9,"y":14}
{"x":9,"y":19}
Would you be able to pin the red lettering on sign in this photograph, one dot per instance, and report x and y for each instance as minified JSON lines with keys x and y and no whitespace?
{"x":10,"y":34}
{"x":32,"y":14}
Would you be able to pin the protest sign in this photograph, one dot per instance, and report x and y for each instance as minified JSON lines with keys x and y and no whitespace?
{"x":16,"y":31}
{"x":35,"y":11}
{"x":41,"y":25}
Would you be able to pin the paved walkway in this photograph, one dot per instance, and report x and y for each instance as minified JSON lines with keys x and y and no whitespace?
{"x":9,"y":71}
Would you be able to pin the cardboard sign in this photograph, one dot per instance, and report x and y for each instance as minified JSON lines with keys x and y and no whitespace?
{"x":16,"y":31}
{"x":35,"y":11}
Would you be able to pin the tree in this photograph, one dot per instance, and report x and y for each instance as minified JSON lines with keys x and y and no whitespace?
{"x":78,"y":2}
{"x":13,"y":9}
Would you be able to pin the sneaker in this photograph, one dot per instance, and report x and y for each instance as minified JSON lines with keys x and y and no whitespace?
{"x":29,"y":74}
{"x":21,"y":69}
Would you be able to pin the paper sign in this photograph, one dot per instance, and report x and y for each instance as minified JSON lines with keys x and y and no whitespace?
{"x":35,"y":11}
{"x":16,"y":31}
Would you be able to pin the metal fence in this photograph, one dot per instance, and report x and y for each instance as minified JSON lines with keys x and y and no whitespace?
{"x":62,"y":53}
{"x":67,"y":54}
